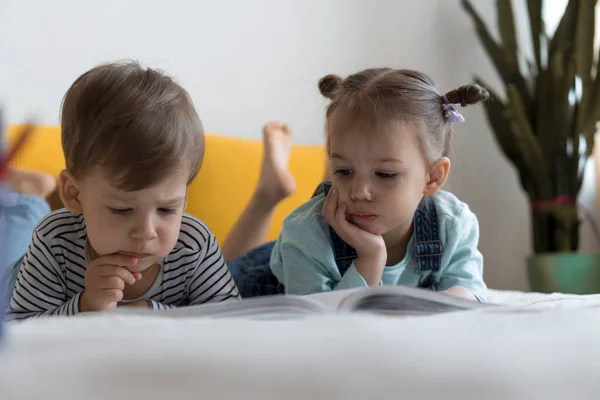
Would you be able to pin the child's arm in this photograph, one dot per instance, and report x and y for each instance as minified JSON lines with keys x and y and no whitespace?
{"x":463,"y":274}
{"x":211,"y":280}
{"x":40,"y":289}
{"x":303,"y":260}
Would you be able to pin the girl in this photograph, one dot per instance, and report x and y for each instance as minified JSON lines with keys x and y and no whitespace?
{"x":384,"y":218}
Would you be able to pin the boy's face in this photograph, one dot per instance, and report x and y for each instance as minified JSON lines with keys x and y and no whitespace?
{"x":144,"y":224}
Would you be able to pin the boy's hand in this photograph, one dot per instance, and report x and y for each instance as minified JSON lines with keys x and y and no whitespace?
{"x":138,"y":304}
{"x":371,"y":250}
{"x":105,"y":280}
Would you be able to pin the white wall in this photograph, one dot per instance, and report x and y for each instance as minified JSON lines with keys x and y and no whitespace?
{"x":245,"y":62}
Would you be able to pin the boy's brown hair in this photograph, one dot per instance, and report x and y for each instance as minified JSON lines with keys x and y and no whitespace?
{"x":136,"y":124}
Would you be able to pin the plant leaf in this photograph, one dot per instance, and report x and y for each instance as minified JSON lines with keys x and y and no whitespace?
{"x":534,"y":9}
{"x":593,"y":108}
{"x":584,"y":59}
{"x":506,"y":139}
{"x":506,"y":25}
{"x":535,"y":159}
{"x":564,"y":123}
{"x":498,"y":57}
{"x":564,"y":37}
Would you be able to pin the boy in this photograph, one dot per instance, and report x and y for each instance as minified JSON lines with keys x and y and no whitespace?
{"x":133,"y":143}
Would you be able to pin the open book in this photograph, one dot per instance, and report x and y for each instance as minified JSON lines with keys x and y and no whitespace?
{"x":384,"y":300}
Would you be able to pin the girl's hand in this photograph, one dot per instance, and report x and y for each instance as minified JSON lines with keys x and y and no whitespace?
{"x":458,"y":291}
{"x":364,"y":242}
{"x":371,"y":250}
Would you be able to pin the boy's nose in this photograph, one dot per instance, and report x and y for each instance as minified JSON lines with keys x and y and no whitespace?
{"x":145,"y":229}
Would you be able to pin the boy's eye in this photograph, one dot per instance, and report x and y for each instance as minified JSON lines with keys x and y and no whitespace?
{"x":386,"y":175}
{"x":166,"y":210}
{"x":342,"y":172}
{"x":120,"y":211}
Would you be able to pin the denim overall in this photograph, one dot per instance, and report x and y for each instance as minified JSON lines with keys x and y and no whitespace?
{"x":253,"y":276}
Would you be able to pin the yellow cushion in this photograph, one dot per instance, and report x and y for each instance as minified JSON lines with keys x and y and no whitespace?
{"x":224,"y":185}
{"x":43,"y":151}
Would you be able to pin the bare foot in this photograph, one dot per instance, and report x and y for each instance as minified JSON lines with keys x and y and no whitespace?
{"x":31,"y":182}
{"x":275,"y":182}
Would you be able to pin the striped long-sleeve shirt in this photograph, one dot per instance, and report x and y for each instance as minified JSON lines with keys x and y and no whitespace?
{"x":52,"y":276}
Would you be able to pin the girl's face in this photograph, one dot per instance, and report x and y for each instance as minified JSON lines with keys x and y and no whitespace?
{"x":381,"y":175}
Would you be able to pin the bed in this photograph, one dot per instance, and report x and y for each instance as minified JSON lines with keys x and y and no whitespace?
{"x":534,"y":347}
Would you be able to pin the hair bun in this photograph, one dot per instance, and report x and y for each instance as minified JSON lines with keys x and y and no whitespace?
{"x":467,"y":94}
{"x":329,"y":84}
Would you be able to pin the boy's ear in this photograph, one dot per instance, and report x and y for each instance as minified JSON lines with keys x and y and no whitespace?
{"x":437,"y":176}
{"x":185,"y":203}
{"x":69,"y":191}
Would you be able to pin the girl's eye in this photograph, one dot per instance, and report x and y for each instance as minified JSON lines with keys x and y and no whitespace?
{"x":342,"y":172}
{"x":386,"y":175}
{"x":120,"y":211}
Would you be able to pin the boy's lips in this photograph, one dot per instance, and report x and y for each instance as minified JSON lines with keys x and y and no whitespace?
{"x":134,"y":254}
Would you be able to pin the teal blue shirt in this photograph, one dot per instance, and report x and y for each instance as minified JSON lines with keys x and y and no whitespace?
{"x":303,"y":258}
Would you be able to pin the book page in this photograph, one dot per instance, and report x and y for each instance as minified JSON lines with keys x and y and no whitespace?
{"x":404,"y":300}
{"x":265,"y":307}
{"x":330,"y":301}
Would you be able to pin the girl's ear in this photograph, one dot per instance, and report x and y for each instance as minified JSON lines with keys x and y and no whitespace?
{"x":437,"y":176}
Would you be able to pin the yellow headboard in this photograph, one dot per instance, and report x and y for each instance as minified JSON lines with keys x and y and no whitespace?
{"x":222,"y":188}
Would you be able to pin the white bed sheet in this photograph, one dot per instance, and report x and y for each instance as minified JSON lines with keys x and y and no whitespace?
{"x":545,"y":347}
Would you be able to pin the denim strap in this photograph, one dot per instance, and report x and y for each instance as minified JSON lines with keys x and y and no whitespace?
{"x":428,"y":247}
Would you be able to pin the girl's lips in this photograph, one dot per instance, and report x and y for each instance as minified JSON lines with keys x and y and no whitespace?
{"x":364,"y":217}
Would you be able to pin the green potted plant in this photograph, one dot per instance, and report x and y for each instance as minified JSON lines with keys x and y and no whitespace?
{"x":545,"y":126}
